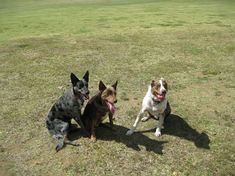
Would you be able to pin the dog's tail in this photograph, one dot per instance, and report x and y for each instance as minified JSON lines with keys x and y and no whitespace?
{"x":62,"y":141}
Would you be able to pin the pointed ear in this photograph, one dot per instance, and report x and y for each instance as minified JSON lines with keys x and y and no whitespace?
{"x":115,"y":85}
{"x":74,"y":79}
{"x":152,"y":83}
{"x":102,"y":87}
{"x":86,"y":76}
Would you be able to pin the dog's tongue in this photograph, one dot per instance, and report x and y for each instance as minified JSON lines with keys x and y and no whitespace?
{"x":111,"y":107}
{"x":161,"y":97}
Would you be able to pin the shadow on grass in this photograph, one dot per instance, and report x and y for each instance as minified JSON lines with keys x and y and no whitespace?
{"x":177,"y":126}
{"x":174,"y":125}
{"x":119,"y":135}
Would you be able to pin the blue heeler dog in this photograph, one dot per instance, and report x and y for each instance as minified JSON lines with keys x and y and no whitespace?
{"x":67,"y":107}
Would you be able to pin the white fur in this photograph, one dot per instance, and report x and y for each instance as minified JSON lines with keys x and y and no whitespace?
{"x":162,"y":88}
{"x":154,"y":108}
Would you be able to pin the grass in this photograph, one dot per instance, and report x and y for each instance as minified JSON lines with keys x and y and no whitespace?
{"x":189,"y":43}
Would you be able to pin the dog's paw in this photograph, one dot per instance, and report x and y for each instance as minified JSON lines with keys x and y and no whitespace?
{"x":157,"y":132}
{"x":129,"y":132}
{"x":93,"y":138}
{"x":144,"y":119}
{"x":71,"y":143}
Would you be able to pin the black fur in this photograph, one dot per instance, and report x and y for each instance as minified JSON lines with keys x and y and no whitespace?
{"x":67,"y":107}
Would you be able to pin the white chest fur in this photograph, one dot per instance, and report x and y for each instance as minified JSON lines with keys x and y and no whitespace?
{"x":157,"y":108}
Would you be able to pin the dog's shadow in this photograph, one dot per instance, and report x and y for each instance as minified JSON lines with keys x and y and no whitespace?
{"x":119,"y":135}
{"x":177,"y":126}
{"x":174,"y":125}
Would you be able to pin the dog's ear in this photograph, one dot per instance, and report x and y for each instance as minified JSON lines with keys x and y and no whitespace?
{"x":153,"y":83}
{"x":74,"y":79}
{"x":86,"y":76}
{"x":102,"y":87}
{"x":165,"y":84}
{"x":115,"y":85}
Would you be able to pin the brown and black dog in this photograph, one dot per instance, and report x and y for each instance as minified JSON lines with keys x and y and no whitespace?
{"x":98,"y":107}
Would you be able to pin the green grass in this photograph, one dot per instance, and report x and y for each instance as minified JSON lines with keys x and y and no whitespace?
{"x":189,"y":43}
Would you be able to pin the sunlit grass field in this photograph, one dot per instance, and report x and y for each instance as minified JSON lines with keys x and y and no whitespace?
{"x":189,"y":43}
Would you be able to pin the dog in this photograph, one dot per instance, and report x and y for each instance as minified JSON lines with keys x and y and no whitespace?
{"x":67,"y":107}
{"x":156,"y":104}
{"x":98,"y":107}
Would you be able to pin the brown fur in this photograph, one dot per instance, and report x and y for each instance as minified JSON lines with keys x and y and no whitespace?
{"x":97,"y":108}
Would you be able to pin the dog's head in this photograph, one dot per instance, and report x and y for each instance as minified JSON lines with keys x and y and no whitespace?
{"x":109,"y":95}
{"x":159,"y":90}
{"x":80,"y":87}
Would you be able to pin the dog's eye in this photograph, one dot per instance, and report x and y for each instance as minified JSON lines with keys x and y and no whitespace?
{"x":109,"y":92}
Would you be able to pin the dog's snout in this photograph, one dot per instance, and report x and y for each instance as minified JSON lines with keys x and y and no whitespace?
{"x":115,"y":101}
{"x":88,"y":92}
{"x":164,"y":92}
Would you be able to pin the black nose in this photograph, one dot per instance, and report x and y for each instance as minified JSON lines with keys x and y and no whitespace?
{"x":115,"y":101}
{"x":88,"y":92}
{"x":164,"y":92}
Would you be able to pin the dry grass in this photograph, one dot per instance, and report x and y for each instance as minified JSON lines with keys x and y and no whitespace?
{"x":191,"y":44}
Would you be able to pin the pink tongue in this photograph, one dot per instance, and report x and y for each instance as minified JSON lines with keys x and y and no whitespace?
{"x":111,"y":107}
{"x":161,"y":97}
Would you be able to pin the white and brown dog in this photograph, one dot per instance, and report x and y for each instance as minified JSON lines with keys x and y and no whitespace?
{"x":156,"y":104}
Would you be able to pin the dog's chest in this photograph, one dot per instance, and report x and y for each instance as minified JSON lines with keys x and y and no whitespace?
{"x":157,"y":108}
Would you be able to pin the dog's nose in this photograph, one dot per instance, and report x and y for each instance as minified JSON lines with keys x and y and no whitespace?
{"x":115,"y":101}
{"x":164,"y":92}
{"x":88,"y":92}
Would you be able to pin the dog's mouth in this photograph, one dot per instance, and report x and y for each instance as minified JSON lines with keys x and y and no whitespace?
{"x":111,"y":107}
{"x":161,"y":97}
{"x":84,"y":96}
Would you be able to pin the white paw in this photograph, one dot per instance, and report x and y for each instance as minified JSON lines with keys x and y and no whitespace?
{"x":144,"y":119}
{"x":129,"y":132}
{"x":157,"y":132}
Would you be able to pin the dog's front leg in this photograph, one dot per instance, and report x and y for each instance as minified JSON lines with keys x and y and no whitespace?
{"x":140,"y":116}
{"x":93,"y":126}
{"x":77,"y":118}
{"x":111,"y":120}
{"x":160,"y":125}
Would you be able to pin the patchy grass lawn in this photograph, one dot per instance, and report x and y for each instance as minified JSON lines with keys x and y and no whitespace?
{"x":189,"y":43}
